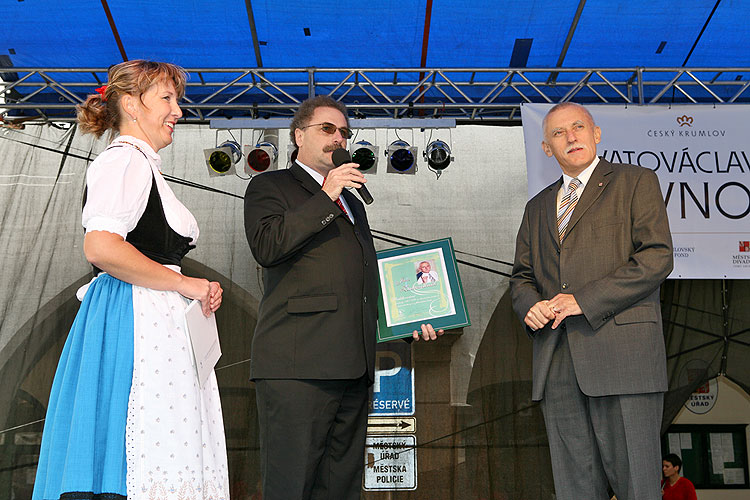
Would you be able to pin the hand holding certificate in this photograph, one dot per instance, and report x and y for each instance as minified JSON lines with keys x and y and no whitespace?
{"x":419,"y":284}
{"x":204,"y":338}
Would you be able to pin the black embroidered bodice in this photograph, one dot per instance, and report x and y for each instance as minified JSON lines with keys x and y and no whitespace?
{"x":153,"y":236}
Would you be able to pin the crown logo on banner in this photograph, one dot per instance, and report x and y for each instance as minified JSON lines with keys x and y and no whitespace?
{"x":685,"y":120}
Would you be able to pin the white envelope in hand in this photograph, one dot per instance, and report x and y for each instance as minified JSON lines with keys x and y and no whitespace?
{"x":204,"y":338}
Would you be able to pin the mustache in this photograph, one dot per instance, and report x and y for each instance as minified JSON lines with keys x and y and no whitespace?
{"x":574,"y":146}
{"x":332,"y":147}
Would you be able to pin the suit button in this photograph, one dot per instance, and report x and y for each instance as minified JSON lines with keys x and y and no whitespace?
{"x":365,"y":262}
{"x":365,"y":299}
{"x":564,"y":286}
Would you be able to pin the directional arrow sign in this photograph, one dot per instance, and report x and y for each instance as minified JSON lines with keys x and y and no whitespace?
{"x":386,"y":425}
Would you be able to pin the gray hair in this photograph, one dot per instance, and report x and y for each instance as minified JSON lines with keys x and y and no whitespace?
{"x":564,"y":105}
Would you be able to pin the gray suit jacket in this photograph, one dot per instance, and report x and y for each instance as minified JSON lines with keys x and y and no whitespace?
{"x":616,"y":252}
{"x":318,"y":314}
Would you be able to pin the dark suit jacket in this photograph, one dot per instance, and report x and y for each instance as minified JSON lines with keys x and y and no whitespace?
{"x":318,"y":315}
{"x":616,"y":252}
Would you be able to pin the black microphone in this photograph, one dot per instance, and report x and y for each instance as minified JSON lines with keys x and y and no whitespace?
{"x":341,"y":156}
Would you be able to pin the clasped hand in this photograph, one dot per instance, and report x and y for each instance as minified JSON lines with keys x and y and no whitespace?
{"x":209,"y":293}
{"x":557,"y":308}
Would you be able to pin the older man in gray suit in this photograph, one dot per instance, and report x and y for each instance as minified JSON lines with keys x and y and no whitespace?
{"x":591,"y":253}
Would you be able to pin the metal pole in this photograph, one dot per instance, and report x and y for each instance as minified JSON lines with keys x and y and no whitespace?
{"x":725,"y":326}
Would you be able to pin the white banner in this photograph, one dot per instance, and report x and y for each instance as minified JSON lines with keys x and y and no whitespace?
{"x":702,"y":157}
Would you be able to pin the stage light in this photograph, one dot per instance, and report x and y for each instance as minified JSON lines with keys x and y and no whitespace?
{"x":365,"y":155}
{"x":260,"y":158}
{"x":264,"y":155}
{"x":401,"y":158}
{"x":437,"y":154}
{"x":221,"y":160}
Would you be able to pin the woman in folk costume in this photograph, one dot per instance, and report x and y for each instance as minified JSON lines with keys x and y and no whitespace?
{"x":127,"y":416}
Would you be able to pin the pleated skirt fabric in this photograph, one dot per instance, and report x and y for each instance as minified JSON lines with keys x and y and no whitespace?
{"x":127,"y":417}
{"x":83,"y":443}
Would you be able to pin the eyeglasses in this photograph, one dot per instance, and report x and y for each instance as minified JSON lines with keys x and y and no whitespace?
{"x":330,"y":129}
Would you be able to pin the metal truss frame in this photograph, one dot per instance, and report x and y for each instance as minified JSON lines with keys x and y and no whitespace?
{"x":468,"y":95}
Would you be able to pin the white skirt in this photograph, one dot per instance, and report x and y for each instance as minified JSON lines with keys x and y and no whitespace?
{"x":175,"y":443}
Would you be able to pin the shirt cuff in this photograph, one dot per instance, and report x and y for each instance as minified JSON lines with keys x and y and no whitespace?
{"x":106,"y":224}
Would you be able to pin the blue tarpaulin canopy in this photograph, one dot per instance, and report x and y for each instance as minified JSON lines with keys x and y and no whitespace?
{"x":482,"y":39}
{"x":382,"y":34}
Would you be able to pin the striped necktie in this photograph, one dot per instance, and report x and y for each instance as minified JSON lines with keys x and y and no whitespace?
{"x":567,"y":204}
{"x":341,"y":206}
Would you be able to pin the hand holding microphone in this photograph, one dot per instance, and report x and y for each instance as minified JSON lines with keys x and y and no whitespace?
{"x":341,"y":156}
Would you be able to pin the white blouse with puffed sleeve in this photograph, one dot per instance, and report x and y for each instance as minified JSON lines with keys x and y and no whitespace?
{"x":118,"y":186}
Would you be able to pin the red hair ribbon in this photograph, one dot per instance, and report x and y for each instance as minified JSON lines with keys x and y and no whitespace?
{"x":101,"y":90}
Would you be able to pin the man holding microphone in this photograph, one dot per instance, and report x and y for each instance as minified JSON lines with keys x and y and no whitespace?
{"x":313,"y":352}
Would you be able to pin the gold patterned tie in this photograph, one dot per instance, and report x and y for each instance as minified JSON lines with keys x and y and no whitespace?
{"x":567,"y":204}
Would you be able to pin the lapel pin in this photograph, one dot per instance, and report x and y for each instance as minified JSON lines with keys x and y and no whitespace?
{"x":601,"y":184}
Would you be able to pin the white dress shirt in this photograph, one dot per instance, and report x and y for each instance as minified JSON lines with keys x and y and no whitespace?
{"x":583,"y":177}
{"x":319,"y":179}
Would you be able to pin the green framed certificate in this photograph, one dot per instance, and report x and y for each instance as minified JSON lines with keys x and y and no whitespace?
{"x":419,"y":284}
